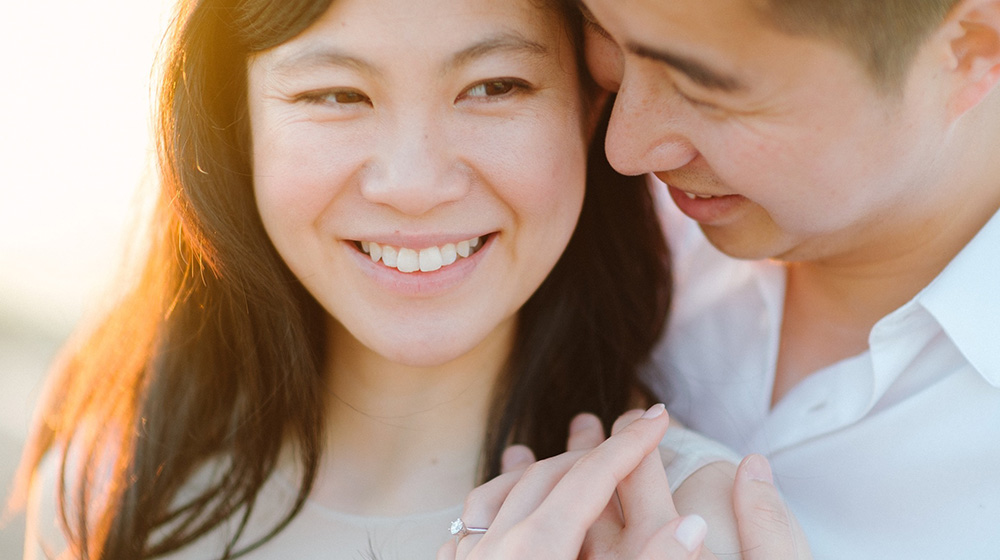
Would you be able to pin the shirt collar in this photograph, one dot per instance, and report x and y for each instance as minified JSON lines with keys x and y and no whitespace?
{"x":965,"y":300}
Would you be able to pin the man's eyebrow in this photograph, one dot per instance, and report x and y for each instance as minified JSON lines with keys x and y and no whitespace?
{"x":698,"y":72}
{"x":503,"y":42}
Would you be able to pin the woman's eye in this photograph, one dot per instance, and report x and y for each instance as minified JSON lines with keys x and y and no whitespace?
{"x":348,"y":97}
{"x":340,"y":97}
{"x":494,"y":88}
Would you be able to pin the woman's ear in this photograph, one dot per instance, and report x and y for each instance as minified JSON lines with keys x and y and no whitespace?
{"x":972,"y":32}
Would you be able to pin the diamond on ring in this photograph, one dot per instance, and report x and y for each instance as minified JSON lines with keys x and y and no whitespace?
{"x":458,"y":529}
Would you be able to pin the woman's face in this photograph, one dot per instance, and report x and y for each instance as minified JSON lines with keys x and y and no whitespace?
{"x":420,"y":165}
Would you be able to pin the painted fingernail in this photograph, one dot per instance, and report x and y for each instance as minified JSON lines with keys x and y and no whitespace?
{"x":756,"y":467}
{"x":691,"y":532}
{"x":654,"y":411}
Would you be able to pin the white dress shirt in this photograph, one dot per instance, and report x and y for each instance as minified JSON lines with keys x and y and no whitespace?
{"x":893,"y":453}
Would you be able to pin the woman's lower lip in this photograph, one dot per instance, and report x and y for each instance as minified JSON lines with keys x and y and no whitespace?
{"x":422,"y":284}
{"x":706,"y":211}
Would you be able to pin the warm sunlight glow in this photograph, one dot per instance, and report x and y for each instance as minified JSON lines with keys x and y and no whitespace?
{"x":74,"y":146}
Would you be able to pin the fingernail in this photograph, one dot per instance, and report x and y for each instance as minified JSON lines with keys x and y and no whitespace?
{"x":582,"y":422}
{"x":654,"y":411}
{"x":691,"y":532}
{"x":516,"y":457}
{"x":756,"y":467}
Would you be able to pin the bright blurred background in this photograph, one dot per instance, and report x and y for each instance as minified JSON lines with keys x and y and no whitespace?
{"x":75,"y":98}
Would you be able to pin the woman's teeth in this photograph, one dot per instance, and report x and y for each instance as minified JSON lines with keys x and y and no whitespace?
{"x":424,"y":260}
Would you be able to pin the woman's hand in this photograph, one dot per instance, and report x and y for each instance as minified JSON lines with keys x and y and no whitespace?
{"x":566,"y":506}
{"x":767,"y":530}
{"x":547,"y":509}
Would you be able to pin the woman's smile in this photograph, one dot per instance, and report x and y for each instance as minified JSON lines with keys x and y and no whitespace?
{"x":427,"y":259}
{"x":435,"y":270}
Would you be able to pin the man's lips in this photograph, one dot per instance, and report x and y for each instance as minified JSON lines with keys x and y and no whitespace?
{"x":704,"y":208}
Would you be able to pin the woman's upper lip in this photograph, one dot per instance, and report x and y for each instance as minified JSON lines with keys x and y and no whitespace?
{"x":417,"y":241}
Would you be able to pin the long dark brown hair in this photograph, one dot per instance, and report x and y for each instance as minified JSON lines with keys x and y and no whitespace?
{"x":213,"y":355}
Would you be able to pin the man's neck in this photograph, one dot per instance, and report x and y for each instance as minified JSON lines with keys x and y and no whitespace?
{"x":831,"y":305}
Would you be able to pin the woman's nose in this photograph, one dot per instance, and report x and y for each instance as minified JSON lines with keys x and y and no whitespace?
{"x":415,"y":170}
{"x":646,"y":132}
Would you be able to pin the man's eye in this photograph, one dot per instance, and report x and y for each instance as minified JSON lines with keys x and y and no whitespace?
{"x":694,"y":102}
{"x":590,"y":23}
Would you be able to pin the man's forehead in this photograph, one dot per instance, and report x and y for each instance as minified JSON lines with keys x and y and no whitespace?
{"x":700,"y":38}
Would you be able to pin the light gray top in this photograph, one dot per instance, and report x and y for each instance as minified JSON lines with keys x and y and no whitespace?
{"x":318,"y":532}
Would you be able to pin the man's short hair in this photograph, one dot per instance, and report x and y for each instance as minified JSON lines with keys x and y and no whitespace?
{"x":884,"y":35}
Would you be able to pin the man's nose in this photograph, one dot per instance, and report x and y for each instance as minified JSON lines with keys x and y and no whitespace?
{"x":646,"y":132}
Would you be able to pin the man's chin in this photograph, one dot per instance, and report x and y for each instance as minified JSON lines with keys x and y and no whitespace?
{"x":748,"y":243}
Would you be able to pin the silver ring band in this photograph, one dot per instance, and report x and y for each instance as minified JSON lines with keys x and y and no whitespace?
{"x":459,"y":529}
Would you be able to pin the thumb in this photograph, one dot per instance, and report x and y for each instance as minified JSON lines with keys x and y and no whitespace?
{"x":767,"y":529}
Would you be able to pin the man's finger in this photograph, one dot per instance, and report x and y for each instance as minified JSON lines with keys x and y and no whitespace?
{"x":767,"y":529}
{"x":681,"y":539}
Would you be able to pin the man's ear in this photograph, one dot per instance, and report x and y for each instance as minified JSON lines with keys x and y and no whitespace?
{"x":973,"y":33}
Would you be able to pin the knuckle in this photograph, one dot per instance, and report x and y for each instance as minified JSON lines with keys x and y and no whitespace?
{"x":772,"y":519}
{"x":537,"y":469}
{"x":481,"y":497}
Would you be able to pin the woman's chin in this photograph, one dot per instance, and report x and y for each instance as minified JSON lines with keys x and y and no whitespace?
{"x":427,"y":344}
{"x":423,"y":355}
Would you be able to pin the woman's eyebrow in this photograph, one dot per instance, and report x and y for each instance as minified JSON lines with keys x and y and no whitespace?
{"x":504,"y":43}
{"x":320,"y":57}
{"x":326,"y":56}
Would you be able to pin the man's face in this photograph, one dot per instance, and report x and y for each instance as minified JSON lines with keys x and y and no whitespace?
{"x":780,"y":146}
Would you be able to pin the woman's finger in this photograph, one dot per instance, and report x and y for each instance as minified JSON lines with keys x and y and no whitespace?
{"x":447,"y":551}
{"x":768,"y":531}
{"x":551,"y":505}
{"x":645,"y":493}
{"x":532,"y":488}
{"x":625,"y":419}
{"x":585,"y":433}
{"x":579,"y":498}
{"x":642,"y":505}
{"x":516,"y":458}
{"x":484,"y":502}
{"x":604,"y":534}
